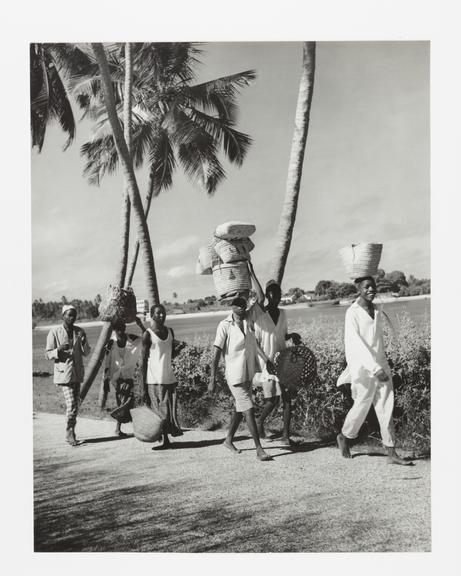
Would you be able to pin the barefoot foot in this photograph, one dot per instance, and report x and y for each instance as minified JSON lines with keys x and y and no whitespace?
{"x":263,"y":456}
{"x":230,"y":446}
{"x":342,"y":445}
{"x":395,"y":459}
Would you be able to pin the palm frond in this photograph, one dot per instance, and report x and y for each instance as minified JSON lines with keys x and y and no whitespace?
{"x":161,"y":161}
{"x":101,"y":158}
{"x":235,"y":144}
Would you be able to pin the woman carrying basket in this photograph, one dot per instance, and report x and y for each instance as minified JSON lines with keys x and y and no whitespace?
{"x":158,"y":349}
{"x":122,"y":354}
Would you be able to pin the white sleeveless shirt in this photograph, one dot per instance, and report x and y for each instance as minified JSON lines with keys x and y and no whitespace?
{"x":159,"y":366}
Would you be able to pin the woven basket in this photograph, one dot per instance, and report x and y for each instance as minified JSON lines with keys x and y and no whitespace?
{"x":235,"y":230}
{"x":234,"y":277}
{"x":233,"y":250}
{"x":147,"y":424}
{"x":296,"y":366}
{"x":120,"y":304}
{"x":361,"y":259}
{"x":122,"y":413}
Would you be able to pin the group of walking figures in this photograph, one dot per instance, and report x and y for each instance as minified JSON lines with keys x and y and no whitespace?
{"x":248,"y":339}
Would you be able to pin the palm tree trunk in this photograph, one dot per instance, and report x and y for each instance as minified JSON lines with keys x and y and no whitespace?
{"x":142,"y":231}
{"x":140,"y":220}
{"x":126,"y":205}
{"x":295,"y":167}
{"x":135,"y":253}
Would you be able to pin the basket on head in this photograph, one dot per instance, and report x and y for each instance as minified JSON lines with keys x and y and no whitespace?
{"x":233,"y":277}
{"x":296,"y":366}
{"x":234,"y":230}
{"x":233,"y":250}
{"x":122,"y":412}
{"x":147,"y":424}
{"x":361,"y":260}
{"x":120,"y":304}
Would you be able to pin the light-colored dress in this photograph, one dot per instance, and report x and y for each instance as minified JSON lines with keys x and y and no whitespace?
{"x":161,"y":381}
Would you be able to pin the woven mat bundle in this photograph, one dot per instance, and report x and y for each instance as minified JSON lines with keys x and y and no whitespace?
{"x":119,"y":304}
{"x":226,"y":256}
{"x":296,"y":366}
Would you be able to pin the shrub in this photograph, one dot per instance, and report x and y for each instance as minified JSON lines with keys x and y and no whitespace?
{"x":192,"y":368}
{"x":321,"y":407}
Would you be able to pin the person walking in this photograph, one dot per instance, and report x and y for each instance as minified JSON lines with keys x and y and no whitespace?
{"x":66,"y":345}
{"x":271,"y":331}
{"x":160,"y":384}
{"x":235,"y":341}
{"x":368,"y":371}
{"x":123,"y":352}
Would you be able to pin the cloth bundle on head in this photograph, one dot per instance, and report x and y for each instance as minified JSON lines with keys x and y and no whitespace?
{"x":361,"y":260}
{"x":120,"y":304}
{"x":226,"y":259}
{"x":67,"y":307}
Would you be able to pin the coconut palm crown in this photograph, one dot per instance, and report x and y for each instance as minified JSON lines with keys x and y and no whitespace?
{"x":175,"y":122}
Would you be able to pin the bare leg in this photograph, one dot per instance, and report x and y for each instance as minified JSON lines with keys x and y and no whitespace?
{"x":269,"y":405}
{"x":236,"y":418}
{"x":251,"y":423}
{"x":343,"y":445}
{"x":394,"y":458}
{"x":285,"y":439}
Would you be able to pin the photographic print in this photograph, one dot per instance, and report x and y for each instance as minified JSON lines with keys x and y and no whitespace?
{"x":231,"y":296}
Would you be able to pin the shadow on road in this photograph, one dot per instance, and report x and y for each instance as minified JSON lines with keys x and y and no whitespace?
{"x":105,"y":439}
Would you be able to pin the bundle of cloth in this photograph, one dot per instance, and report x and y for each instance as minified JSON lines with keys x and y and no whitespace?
{"x":225,"y":258}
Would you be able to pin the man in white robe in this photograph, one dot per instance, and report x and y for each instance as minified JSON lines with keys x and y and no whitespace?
{"x":369,"y":372}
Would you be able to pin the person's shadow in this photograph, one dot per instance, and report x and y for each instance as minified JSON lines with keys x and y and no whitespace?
{"x":105,"y":439}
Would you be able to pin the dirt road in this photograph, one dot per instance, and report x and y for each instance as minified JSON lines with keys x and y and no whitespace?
{"x":111,"y":494}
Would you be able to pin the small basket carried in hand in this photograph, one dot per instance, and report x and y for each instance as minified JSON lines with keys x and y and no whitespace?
{"x":120,"y":304}
{"x":296,"y":366}
{"x":147,"y":424}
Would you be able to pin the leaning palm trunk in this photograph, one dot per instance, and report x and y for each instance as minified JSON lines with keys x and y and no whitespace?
{"x":134,"y":255}
{"x":290,"y":205}
{"x":135,"y":200}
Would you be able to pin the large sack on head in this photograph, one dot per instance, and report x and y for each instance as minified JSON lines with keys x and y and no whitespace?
{"x":233,"y":277}
{"x":233,"y":250}
{"x":361,"y":260}
{"x":119,"y":304}
{"x":147,"y":424}
{"x":235,"y":230}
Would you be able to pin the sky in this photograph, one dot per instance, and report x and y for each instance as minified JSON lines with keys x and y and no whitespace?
{"x":366,"y":177}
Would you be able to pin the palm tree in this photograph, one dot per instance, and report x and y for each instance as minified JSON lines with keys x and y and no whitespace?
{"x":174,"y":122}
{"x":168,"y":114}
{"x":131,"y":186}
{"x":295,"y":168}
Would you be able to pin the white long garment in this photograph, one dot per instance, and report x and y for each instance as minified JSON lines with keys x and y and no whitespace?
{"x":365,"y":355}
{"x":364,"y":343}
{"x":159,"y":366}
{"x":270,"y":336}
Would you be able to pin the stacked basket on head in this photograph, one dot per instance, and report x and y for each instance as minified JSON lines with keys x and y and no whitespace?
{"x":226,"y":257}
{"x":361,"y":260}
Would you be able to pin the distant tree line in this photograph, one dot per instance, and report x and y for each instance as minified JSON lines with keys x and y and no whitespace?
{"x":395,"y":283}
{"x":87,"y":309}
